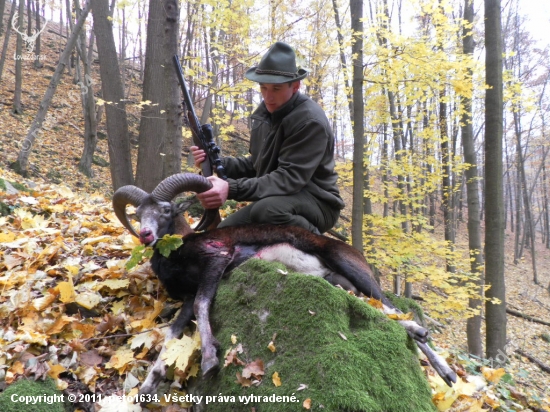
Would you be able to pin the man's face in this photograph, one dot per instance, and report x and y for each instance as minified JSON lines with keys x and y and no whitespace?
{"x":276,"y":95}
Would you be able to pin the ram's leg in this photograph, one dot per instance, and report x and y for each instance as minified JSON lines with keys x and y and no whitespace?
{"x":439,"y":364}
{"x":158,"y":371}
{"x":338,"y":280}
{"x":415,"y":331}
{"x":203,"y":300}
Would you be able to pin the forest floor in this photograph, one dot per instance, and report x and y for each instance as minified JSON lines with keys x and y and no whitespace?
{"x":54,"y":161}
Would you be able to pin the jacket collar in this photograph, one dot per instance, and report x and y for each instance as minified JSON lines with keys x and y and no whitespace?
{"x":278,"y":115}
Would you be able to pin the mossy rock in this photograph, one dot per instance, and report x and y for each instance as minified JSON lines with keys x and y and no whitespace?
{"x":5,"y":209}
{"x":348,"y":355}
{"x":100,"y":161}
{"x":52,"y":399}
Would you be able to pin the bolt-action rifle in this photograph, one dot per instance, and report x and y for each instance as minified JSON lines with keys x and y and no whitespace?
{"x":203,"y":137}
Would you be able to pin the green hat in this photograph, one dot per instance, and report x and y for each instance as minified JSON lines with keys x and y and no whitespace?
{"x":277,"y":66}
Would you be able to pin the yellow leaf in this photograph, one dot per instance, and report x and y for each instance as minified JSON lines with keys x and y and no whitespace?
{"x":121,"y":359}
{"x":82,"y":330}
{"x":28,"y":335}
{"x":7,"y":237}
{"x":94,"y":240}
{"x":233,"y":339}
{"x":88,"y":300}
{"x":401,"y":316}
{"x":55,"y":370}
{"x":113,"y":284}
{"x":59,"y":324}
{"x":147,"y":339}
{"x":72,"y":269}
{"x":276,"y":379}
{"x":66,"y":291}
{"x":17,"y":368}
{"x":307,"y":404}
{"x":272,"y":347}
{"x":375,"y":303}
{"x":493,"y":375}
{"x":149,"y":321}
{"x":180,"y":351}
{"x":118,"y":307}
{"x":45,"y":301}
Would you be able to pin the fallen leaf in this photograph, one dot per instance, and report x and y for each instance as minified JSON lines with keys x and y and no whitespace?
{"x":401,"y":316}
{"x":232,"y":359}
{"x":121,"y":359}
{"x":66,"y":290}
{"x":375,"y":303}
{"x":254,"y":369}
{"x":91,"y":358}
{"x":493,"y":375}
{"x":244,"y":382}
{"x":179,"y":352}
{"x":55,"y":371}
{"x":272,"y":347}
{"x":307,"y":404}
{"x":276,"y":379}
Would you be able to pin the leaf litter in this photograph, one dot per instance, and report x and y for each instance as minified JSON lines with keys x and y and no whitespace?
{"x":71,"y":310}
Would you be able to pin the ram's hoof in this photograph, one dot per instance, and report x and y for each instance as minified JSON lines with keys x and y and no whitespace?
{"x":210,"y":367}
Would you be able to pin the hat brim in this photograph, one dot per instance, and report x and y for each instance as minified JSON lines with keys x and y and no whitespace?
{"x":273,"y":78}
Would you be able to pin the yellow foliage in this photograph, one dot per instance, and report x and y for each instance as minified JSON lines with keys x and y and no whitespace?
{"x":180,"y":352}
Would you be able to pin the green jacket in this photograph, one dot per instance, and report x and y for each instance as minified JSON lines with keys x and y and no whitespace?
{"x":291,"y":149}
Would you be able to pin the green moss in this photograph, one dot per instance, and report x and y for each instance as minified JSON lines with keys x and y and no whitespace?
{"x":2,"y":185}
{"x":25,"y":387}
{"x":100,"y":161}
{"x":351,"y":357}
{"x":21,"y":187}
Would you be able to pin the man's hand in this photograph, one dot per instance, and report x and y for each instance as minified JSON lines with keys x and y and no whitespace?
{"x":198,"y":154}
{"x":215,"y":197}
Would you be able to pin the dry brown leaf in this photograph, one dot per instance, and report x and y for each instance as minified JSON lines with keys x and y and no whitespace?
{"x":244,"y":382}
{"x":91,"y":358}
{"x":254,"y":369}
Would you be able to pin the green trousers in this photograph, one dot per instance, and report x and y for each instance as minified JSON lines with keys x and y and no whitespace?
{"x":301,"y":209}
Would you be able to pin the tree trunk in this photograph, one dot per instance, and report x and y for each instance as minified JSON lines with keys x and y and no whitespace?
{"x":172,"y":92}
{"x":113,"y":92}
{"x":152,"y":127}
{"x":356,"y":10}
{"x":529,"y":226}
{"x":2,"y":8}
{"x":473,"y":325}
{"x":22,"y":162}
{"x":37,"y":63}
{"x":88,"y":105}
{"x":6,"y":41}
{"x":17,"y":109}
{"x":495,"y":320}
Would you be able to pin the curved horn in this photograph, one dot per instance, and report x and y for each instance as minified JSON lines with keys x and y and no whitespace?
{"x":127,"y":195}
{"x":178,"y":183}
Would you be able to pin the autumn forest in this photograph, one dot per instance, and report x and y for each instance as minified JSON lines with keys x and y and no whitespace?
{"x":439,"y":110}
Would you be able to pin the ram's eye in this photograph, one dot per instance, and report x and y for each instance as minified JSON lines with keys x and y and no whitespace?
{"x":166,"y":210}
